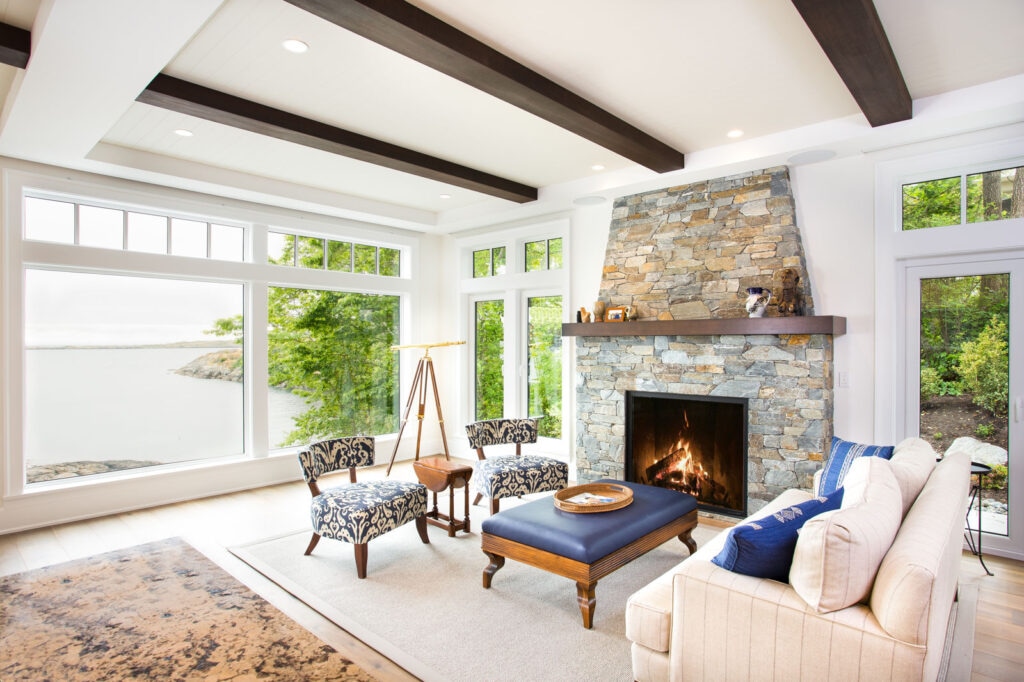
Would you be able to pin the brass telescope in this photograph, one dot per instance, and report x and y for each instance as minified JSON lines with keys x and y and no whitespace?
{"x":424,"y":371}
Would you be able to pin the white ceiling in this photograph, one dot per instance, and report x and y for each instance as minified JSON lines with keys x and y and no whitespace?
{"x":684,"y":71}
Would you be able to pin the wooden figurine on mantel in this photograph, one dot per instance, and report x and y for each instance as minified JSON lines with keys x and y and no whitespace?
{"x":790,"y":302}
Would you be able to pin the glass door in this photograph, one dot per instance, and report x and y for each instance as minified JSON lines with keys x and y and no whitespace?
{"x":964,"y":380}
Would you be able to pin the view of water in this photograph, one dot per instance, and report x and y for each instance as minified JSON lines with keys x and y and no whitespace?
{"x":113,"y":403}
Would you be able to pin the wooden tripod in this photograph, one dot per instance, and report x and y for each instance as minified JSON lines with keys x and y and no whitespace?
{"x":424,"y":370}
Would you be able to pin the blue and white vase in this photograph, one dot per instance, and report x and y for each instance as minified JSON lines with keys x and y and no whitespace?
{"x":757,"y":301}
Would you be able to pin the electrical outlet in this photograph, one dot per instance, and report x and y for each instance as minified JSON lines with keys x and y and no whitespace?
{"x":843,"y":379}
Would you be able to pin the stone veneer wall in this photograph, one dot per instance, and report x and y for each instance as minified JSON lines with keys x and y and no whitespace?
{"x":690,"y":252}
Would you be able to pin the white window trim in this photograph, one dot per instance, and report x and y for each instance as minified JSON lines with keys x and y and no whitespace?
{"x":25,"y":508}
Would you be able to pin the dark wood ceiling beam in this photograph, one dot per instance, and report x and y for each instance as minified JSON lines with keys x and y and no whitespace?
{"x":188,"y":98}
{"x":853,"y":38}
{"x":410,"y":31}
{"x":15,"y":45}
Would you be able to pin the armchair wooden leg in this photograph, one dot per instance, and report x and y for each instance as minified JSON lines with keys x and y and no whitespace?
{"x":312,"y":544}
{"x":360,"y":559}
{"x":476,"y":500}
{"x":421,"y":527}
{"x":495,"y":503}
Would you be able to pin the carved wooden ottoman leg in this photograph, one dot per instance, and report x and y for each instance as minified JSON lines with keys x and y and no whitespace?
{"x":690,"y":543}
{"x":587,"y":600}
{"x":497,"y":561}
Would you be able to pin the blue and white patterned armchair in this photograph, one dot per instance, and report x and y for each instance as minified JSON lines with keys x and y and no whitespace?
{"x":512,"y":475}
{"x":358,"y":512}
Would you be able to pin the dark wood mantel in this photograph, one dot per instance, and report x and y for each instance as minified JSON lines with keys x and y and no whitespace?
{"x":817,"y":324}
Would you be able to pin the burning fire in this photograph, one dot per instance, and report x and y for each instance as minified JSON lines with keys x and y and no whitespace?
{"x":683,"y":472}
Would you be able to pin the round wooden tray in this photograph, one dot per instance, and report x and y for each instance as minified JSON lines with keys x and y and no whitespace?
{"x":593,"y":497}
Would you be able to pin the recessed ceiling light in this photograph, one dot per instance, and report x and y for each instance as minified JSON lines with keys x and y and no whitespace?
{"x":734,"y":133}
{"x":445,"y":196}
{"x":597,"y":167}
{"x":296,"y":46}
{"x":182,"y":132}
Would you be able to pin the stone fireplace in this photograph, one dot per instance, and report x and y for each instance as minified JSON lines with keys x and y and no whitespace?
{"x":682,"y":259}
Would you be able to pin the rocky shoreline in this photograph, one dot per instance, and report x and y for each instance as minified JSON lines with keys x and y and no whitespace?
{"x":225,"y":365}
{"x":56,"y":472}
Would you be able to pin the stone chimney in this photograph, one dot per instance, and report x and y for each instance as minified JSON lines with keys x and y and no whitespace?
{"x":691,"y":252}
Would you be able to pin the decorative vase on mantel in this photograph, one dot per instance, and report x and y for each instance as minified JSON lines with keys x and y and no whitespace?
{"x":757,"y":301}
{"x":598,"y":311}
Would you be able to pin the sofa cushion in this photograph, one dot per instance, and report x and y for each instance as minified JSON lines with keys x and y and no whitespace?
{"x":912,"y":462}
{"x":764,"y":548}
{"x":841,"y":456}
{"x":917,"y":580}
{"x":649,"y":609}
{"x":838,"y":553}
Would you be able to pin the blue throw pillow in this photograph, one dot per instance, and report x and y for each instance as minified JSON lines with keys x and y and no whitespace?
{"x":840,"y":458}
{"x":764,"y":548}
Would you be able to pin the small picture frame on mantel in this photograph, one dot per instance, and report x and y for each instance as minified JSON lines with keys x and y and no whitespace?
{"x":615,"y":314}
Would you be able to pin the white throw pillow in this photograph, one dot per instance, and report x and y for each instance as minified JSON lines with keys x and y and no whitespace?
{"x":838,"y":553}
{"x":912,"y":462}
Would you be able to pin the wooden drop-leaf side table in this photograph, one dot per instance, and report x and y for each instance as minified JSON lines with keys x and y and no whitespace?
{"x":439,"y":474}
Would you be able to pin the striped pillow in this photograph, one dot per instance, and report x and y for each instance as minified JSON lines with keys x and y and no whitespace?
{"x":841,"y":456}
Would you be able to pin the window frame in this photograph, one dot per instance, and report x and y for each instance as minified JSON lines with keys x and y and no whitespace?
{"x":259,"y":464}
{"x":515,"y":287}
{"x":897,"y":250}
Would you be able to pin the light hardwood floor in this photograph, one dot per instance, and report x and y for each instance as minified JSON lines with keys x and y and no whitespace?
{"x":214,"y":524}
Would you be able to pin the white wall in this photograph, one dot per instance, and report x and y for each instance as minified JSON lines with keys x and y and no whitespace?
{"x":834,"y":211}
{"x":589,"y":231}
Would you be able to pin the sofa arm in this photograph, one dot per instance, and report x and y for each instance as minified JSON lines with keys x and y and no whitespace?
{"x":728,"y":626}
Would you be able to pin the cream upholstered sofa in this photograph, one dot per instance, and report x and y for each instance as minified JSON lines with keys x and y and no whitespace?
{"x":865,"y":601}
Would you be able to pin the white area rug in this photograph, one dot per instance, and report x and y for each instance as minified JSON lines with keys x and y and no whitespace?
{"x":424,"y":606}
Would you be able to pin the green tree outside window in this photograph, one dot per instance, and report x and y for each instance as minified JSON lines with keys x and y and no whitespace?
{"x":544,"y":359}
{"x":482,"y":263}
{"x":992,"y":195}
{"x":536,"y":256}
{"x":489,"y":262}
{"x":544,"y":255}
{"x":365,"y":259}
{"x":489,"y":361}
{"x":339,"y":256}
{"x":390,"y":262}
{"x":283,"y":245}
{"x":311,"y":252}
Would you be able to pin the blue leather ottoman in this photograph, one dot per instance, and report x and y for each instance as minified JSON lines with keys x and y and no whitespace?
{"x":587,"y":547}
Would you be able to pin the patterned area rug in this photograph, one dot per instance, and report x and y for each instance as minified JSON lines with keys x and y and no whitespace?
{"x":157,"y":611}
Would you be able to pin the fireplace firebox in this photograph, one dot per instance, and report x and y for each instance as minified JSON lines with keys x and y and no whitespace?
{"x":696,"y":444}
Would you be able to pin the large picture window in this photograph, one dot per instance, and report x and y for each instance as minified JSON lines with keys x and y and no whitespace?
{"x":122,"y":374}
{"x":177,"y":357}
